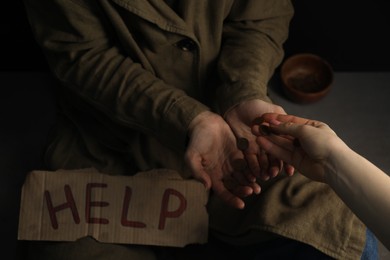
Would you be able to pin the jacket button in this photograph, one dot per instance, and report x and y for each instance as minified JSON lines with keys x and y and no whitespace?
{"x":186,"y":45}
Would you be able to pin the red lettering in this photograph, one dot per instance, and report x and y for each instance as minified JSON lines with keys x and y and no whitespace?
{"x":164,"y":213}
{"x":69,"y":204}
{"x":125,"y":210}
{"x":89,"y":204}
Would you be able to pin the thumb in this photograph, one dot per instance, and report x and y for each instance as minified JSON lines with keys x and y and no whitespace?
{"x":203,"y":177}
{"x":195,"y":166}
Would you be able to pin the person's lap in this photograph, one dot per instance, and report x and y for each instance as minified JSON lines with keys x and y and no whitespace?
{"x":279,"y":248}
{"x":87,"y":248}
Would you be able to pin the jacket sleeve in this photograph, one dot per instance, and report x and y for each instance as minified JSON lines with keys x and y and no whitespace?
{"x":253,"y":37}
{"x":79,"y":44}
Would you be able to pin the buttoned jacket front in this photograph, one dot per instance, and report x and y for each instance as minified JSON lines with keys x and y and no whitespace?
{"x":137,"y":65}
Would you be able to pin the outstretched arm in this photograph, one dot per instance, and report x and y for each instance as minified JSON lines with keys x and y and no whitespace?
{"x":321,"y":155}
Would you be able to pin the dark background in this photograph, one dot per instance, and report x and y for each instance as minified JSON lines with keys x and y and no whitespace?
{"x":353,"y":35}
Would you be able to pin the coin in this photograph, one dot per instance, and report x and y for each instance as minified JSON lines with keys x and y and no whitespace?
{"x":242,"y":143}
{"x":264,"y":130}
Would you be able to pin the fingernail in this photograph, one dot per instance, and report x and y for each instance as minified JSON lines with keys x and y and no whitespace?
{"x":264,"y":176}
{"x":275,"y":122}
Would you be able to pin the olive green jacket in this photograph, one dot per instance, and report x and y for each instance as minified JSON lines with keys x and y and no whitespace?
{"x":133,"y":75}
{"x":137,"y":65}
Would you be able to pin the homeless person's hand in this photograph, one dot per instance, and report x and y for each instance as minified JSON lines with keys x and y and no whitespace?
{"x":305,"y":144}
{"x":212,"y":156}
{"x":240,"y":119}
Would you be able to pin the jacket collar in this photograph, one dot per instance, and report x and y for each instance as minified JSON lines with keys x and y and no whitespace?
{"x":157,"y":12}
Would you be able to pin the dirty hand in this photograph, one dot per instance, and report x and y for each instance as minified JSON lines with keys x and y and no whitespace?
{"x":214,"y":159}
{"x":240,"y":119}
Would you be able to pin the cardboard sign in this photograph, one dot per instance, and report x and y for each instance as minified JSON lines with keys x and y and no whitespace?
{"x":151,"y":208}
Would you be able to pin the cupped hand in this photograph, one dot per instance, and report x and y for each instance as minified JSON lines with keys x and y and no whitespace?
{"x":214,"y":159}
{"x":241,"y":119}
{"x":305,"y":144}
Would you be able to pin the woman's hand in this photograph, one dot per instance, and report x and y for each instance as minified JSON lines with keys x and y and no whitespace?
{"x":305,"y":144}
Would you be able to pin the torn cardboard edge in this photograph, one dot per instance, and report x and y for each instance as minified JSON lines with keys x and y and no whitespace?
{"x":151,"y":208}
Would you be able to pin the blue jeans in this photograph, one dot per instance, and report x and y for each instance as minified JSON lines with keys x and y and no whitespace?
{"x":370,"y":251}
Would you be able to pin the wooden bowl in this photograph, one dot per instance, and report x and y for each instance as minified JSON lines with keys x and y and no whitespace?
{"x":306,"y":78}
